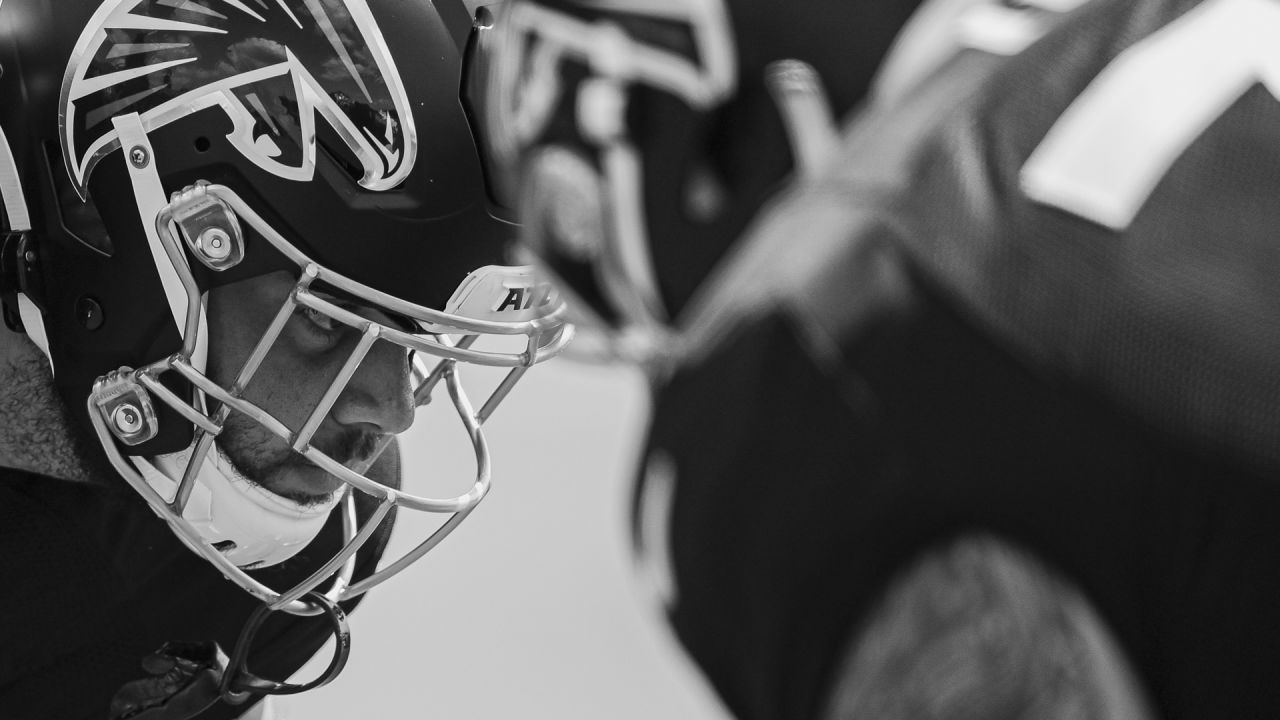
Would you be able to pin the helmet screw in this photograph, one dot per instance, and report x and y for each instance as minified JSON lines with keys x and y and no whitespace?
{"x":89,"y":313}
{"x":214,"y":243}
{"x":139,"y":157}
{"x":127,"y":418}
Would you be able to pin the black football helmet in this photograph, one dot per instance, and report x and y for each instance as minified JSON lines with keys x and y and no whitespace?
{"x":637,"y":140}
{"x":154,"y":151}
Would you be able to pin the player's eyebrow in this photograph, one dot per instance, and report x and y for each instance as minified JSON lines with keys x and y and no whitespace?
{"x":352,"y":304}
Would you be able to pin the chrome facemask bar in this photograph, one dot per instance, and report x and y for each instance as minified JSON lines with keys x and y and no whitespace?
{"x":120,"y":401}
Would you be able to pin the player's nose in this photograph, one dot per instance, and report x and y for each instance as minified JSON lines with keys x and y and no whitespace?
{"x":379,"y":396}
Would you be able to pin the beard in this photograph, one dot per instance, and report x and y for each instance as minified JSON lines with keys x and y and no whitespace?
{"x":266,"y":459}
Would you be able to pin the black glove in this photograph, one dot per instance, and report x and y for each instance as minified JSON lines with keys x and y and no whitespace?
{"x":184,"y":681}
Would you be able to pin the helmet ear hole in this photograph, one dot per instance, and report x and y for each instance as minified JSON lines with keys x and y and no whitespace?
{"x":202,"y":144}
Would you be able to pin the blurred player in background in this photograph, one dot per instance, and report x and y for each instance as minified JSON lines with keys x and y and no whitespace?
{"x":242,"y":242}
{"x":965,"y":406}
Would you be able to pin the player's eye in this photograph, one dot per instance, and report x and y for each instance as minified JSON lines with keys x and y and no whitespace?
{"x":319,"y":320}
{"x":315,"y":331}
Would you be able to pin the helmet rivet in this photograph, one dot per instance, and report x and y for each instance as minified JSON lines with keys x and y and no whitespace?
{"x":139,"y":157}
{"x":127,"y":418}
{"x":214,"y":243}
{"x":89,"y":313}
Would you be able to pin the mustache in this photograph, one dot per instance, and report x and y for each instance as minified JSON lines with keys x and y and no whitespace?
{"x":351,"y":446}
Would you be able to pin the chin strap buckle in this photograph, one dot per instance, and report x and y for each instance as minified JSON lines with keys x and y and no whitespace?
{"x":19,"y":275}
{"x":182,"y":681}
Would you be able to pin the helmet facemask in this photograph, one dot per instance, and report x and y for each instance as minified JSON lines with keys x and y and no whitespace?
{"x":205,"y":222}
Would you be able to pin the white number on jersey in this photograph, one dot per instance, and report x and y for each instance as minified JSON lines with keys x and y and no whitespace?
{"x":1109,"y":150}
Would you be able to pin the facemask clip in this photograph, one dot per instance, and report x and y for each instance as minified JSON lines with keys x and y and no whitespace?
{"x":209,"y":226}
{"x":126,"y":407}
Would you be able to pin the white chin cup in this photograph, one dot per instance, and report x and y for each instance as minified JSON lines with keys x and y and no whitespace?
{"x":225,"y":506}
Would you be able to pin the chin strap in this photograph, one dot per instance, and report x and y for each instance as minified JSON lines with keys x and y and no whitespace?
{"x":187,"y":678}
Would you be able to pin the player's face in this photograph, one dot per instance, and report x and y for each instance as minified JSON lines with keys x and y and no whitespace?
{"x":298,"y":370}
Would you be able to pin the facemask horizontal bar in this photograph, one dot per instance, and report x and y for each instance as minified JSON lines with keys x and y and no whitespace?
{"x":552,"y":318}
{"x":557,"y":337}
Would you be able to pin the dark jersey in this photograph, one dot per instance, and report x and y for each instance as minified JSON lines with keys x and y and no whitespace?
{"x":95,"y":581}
{"x":972,"y":343}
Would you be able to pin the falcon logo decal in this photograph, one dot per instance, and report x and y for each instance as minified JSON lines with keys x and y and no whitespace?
{"x":270,"y":65}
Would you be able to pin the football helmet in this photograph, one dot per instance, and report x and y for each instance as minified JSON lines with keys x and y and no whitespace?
{"x":636,"y":140}
{"x":158,"y":152}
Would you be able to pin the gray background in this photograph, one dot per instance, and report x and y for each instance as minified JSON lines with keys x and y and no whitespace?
{"x":532,"y":607}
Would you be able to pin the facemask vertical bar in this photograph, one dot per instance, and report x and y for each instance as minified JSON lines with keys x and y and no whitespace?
{"x":204,"y":443}
{"x":423,"y":382}
{"x":204,"y":438}
{"x":269,"y":337}
{"x":303,"y":438}
{"x":500,"y":393}
{"x":350,"y":525}
{"x":423,"y":394}
{"x":206,"y":430}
